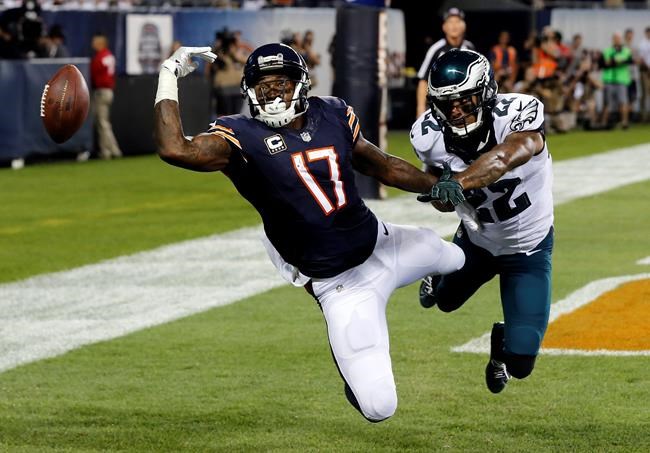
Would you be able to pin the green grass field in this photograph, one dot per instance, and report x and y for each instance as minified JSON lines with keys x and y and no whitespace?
{"x":258,"y":375}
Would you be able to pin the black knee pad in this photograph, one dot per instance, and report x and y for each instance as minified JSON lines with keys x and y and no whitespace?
{"x":520,"y":366}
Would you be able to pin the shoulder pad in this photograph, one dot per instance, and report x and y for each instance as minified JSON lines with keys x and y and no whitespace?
{"x":424,"y":131}
{"x":330,"y":101}
{"x":517,"y":113}
{"x":346,"y":112}
{"x":226,"y":127}
{"x":426,"y":138}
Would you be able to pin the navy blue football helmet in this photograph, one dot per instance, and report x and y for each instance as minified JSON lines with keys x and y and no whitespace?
{"x":461,"y":79}
{"x":276,"y":59}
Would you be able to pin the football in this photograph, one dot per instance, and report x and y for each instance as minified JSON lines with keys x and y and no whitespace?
{"x":64,"y":103}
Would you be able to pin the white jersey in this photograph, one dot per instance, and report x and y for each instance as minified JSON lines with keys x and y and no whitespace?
{"x":516,"y":211}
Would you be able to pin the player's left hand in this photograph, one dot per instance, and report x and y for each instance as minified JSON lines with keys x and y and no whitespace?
{"x":446,"y":189}
{"x":180,"y":63}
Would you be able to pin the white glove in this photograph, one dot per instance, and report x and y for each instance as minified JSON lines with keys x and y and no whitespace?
{"x":468,"y":215}
{"x":180,"y":63}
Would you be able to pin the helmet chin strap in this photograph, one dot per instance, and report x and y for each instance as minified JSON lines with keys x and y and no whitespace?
{"x":468,"y":129}
{"x":276,"y":113}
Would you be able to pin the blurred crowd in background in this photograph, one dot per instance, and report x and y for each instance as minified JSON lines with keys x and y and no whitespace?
{"x":590,"y":88}
{"x":580,"y":86}
{"x":101,"y":5}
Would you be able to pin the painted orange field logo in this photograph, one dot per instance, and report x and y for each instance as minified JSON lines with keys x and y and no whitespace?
{"x":617,"y":320}
{"x":610,"y":316}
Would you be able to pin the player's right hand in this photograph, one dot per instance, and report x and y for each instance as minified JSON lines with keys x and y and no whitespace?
{"x":446,"y":190}
{"x":180,"y":63}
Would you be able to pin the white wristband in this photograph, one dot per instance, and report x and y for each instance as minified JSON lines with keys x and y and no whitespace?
{"x":167,"y":86}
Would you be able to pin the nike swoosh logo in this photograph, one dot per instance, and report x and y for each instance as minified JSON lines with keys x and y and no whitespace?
{"x":385,"y":229}
{"x":487,"y":139}
{"x":532,"y":252}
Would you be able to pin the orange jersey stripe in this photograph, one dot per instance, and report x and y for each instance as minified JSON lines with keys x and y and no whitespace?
{"x":224,"y":128}
{"x":230,"y":138}
{"x":353,"y":117}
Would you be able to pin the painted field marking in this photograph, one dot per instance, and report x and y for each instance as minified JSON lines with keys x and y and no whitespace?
{"x":644,"y":261}
{"x":572,"y":302}
{"x":51,"y":314}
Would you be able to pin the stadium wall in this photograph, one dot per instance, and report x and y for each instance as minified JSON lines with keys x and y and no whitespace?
{"x":193,"y":27}
{"x":598,"y":25}
{"x":21,"y":129}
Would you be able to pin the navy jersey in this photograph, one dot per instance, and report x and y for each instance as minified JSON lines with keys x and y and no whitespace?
{"x":302,"y":184}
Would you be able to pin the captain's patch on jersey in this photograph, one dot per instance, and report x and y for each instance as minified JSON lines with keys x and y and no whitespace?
{"x":275,"y":144}
{"x":527,"y":115}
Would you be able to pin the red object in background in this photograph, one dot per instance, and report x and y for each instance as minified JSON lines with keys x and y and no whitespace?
{"x":102,"y":70}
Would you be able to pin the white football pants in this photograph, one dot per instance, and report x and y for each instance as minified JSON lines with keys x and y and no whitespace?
{"x":354,"y":305}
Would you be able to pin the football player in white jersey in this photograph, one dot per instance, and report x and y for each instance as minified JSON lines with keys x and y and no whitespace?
{"x":495,"y":169}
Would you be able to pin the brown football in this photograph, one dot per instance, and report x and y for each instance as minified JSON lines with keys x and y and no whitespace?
{"x":64,"y":103}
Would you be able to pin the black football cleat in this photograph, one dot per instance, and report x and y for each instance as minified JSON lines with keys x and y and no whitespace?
{"x":428,"y":297}
{"x":496,"y":374}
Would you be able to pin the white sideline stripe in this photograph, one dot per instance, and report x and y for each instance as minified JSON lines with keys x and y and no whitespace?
{"x":51,"y":314}
{"x":573,"y":301}
{"x":644,"y":261}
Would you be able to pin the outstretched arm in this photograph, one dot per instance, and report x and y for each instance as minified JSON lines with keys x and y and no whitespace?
{"x":388,"y":169}
{"x":205,"y":152}
{"x":516,"y":150}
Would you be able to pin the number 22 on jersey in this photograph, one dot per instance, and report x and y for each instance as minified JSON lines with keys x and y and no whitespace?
{"x":300,"y":165}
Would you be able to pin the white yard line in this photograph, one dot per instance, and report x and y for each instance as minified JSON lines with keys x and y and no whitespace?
{"x":51,"y":314}
{"x":644,"y":261}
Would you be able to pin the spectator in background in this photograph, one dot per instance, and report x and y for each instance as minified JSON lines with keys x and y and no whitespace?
{"x":25,"y":27}
{"x":565,"y":54}
{"x":577,"y":53}
{"x":529,"y":46}
{"x":312,"y":58}
{"x":226,"y":73}
{"x":644,"y":63}
{"x":547,"y":57}
{"x":102,"y":75}
{"x":582,"y":86}
{"x":628,"y":39}
{"x":331,"y":50}
{"x":503,"y":58}
{"x":453,"y":26}
{"x":243,"y":47}
{"x":616,"y":77}
{"x":56,"y":43}
{"x":294,"y":40}
{"x":8,"y":45}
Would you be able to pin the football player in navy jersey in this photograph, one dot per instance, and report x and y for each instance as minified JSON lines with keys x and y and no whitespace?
{"x":293,"y":161}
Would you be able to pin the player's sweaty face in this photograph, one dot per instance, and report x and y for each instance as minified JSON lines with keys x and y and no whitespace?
{"x":274,"y":86}
{"x":462,"y":109}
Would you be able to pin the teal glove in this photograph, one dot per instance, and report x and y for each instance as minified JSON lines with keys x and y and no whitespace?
{"x":446,"y":189}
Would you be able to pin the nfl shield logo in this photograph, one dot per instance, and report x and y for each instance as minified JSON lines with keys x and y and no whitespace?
{"x":305,"y":136}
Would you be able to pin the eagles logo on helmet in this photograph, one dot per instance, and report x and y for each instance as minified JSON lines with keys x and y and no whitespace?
{"x":461,"y":91}
{"x":276,"y":59}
